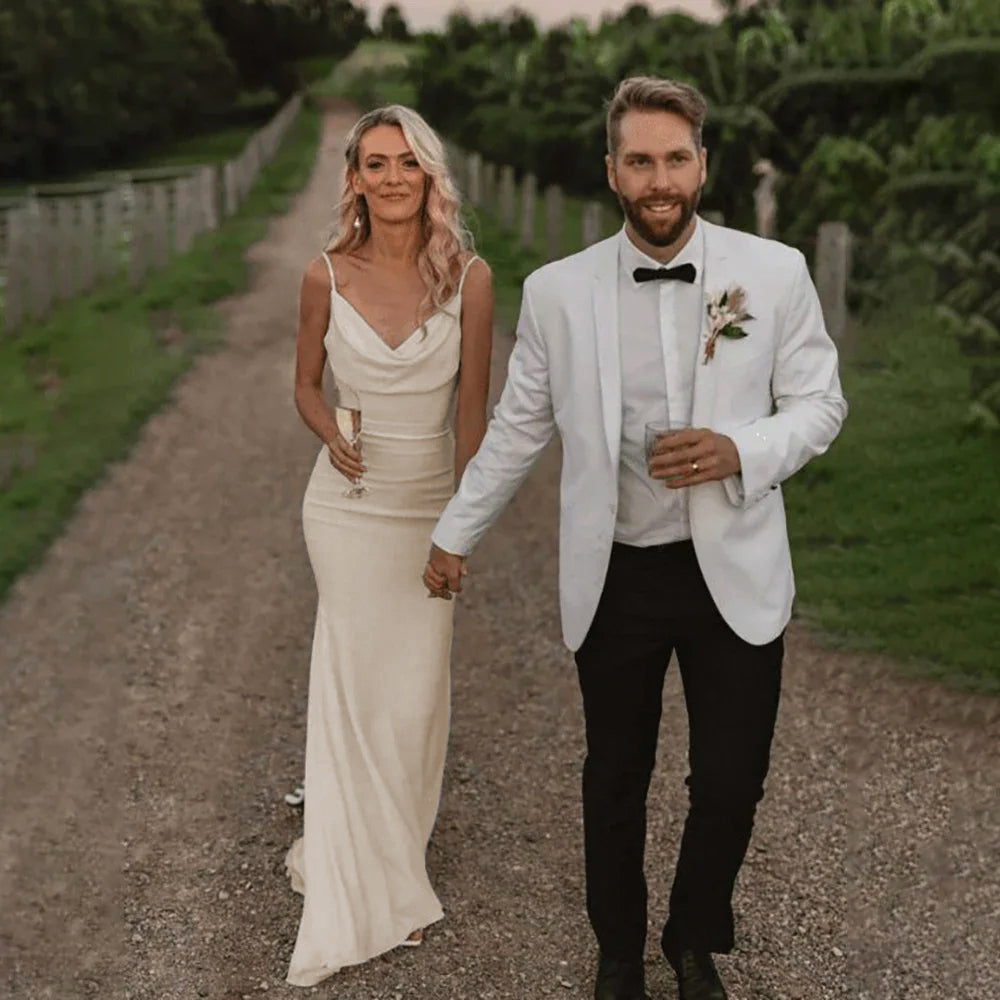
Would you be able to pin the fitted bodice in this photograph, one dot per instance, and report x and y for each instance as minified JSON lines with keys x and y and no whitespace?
{"x":405,"y":396}
{"x":405,"y":390}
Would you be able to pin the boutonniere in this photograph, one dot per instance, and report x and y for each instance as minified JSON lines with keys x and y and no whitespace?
{"x":726,"y":310}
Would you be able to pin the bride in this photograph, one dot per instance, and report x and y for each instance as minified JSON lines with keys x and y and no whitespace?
{"x":403,"y":311}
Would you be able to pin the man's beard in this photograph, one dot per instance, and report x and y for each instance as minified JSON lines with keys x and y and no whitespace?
{"x":655,"y":235}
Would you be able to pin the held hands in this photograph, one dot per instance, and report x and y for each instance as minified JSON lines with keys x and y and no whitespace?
{"x":690,"y":457}
{"x":344,"y":457}
{"x":443,"y":573}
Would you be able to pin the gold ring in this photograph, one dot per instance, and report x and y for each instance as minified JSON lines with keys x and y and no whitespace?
{"x":694,"y":467}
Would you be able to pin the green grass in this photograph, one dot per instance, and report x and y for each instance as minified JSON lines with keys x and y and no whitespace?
{"x":373,"y":74}
{"x":75,"y":390}
{"x":206,"y":148}
{"x":896,"y":531}
{"x":316,"y":68}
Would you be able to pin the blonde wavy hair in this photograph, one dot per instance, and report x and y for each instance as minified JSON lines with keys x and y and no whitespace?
{"x":444,"y":235}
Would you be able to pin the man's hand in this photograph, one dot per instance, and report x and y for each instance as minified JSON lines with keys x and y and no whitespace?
{"x":443,"y":573}
{"x":689,"y":457}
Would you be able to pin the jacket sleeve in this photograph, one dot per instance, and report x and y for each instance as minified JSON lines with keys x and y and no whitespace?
{"x":521,"y":426}
{"x":809,"y":407}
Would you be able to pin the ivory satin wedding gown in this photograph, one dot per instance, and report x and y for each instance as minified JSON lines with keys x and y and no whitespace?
{"x":379,"y":678}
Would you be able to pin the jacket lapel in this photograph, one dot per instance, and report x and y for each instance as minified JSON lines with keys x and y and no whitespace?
{"x":715,"y":276}
{"x":606,"y":335}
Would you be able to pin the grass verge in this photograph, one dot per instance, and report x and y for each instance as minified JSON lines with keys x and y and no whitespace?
{"x":896,"y":531}
{"x":76,"y":389}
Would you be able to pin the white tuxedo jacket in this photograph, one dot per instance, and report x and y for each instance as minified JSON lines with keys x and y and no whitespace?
{"x":776,"y":393}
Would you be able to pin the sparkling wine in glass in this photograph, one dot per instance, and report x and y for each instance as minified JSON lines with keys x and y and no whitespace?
{"x":349,"y":425}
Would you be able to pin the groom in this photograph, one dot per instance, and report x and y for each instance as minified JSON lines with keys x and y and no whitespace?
{"x":685,"y":552}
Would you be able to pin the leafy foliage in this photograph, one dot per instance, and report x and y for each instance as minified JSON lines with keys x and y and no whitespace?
{"x":875,"y":112}
{"x":393,"y":26}
{"x":82,"y":79}
{"x":264,"y":38}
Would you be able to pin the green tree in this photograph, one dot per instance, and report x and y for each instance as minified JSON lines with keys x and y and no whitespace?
{"x":82,"y":79}
{"x":393,"y":26}
{"x":264,"y":37}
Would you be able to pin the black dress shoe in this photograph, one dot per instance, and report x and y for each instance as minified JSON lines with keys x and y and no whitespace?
{"x":697,"y":977}
{"x":619,"y":980}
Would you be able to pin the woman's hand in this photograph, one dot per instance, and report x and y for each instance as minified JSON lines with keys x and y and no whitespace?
{"x":345,"y":458}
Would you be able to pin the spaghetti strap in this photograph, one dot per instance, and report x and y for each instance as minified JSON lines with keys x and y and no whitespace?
{"x":329,"y":267}
{"x":465,"y":271}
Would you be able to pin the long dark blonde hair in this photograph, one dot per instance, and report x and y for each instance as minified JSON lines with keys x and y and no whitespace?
{"x":444,"y":237}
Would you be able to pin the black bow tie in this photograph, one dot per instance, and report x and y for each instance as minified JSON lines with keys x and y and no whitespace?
{"x":683,"y":272}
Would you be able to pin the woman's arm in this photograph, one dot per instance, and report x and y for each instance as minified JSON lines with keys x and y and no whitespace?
{"x":474,"y":371}
{"x":310,"y":360}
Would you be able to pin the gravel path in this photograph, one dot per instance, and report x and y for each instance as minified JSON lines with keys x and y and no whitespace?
{"x":153,"y":684}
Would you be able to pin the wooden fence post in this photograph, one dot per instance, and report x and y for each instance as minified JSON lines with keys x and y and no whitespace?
{"x":39,"y":262}
{"x":15,"y":293}
{"x":158,"y":235}
{"x":62,"y":212}
{"x":529,"y":196}
{"x":88,"y":244}
{"x":230,"y":198}
{"x":490,"y":187}
{"x":139,"y":245}
{"x":508,"y":209}
{"x":129,"y":196}
{"x":112,"y":232}
{"x":457,"y":166}
{"x":765,"y":203}
{"x":555,"y":215}
{"x":833,"y":269}
{"x":180,"y":191}
{"x":474,"y":167}
{"x":593,"y":222}
{"x":208,"y":197}
{"x":255,"y":152}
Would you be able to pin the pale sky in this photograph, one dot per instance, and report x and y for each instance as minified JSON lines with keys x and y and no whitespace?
{"x":424,"y":14}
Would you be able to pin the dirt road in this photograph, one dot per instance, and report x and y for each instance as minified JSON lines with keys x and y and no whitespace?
{"x":153,"y":683}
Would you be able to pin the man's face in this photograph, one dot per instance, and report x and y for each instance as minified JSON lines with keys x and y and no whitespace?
{"x":658,"y":173}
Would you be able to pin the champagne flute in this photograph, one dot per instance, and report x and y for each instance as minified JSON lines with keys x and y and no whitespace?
{"x":349,"y":425}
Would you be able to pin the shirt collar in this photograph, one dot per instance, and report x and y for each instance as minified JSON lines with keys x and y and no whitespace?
{"x":630,"y":256}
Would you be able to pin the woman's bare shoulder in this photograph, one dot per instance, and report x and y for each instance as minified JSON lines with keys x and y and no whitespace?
{"x":478,"y":274}
{"x":472,"y":266}
{"x":317,"y":275}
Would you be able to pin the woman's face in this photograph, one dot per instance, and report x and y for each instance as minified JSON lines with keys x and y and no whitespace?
{"x":389,"y":175}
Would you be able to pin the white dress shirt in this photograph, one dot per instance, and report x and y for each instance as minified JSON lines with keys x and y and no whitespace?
{"x":659,"y":332}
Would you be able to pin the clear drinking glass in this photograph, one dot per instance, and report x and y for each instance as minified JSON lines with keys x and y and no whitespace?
{"x":656,"y":432}
{"x":349,"y":425}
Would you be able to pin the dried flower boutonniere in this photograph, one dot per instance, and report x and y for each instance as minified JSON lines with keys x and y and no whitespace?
{"x":726,"y":310}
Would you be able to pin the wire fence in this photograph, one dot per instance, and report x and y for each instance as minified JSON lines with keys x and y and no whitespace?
{"x":61,"y":240}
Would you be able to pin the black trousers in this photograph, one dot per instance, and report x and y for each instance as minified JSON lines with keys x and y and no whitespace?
{"x":654,"y":602}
